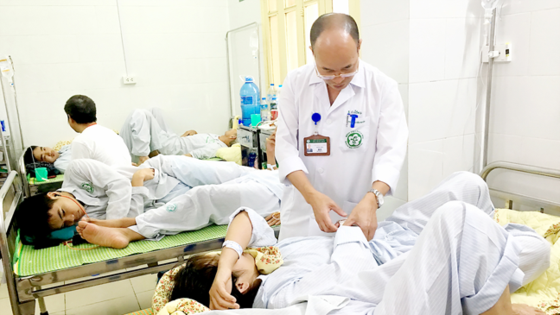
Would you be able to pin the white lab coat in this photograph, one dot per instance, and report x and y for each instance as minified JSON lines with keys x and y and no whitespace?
{"x":145,"y":130}
{"x":348,"y":173}
{"x":101,"y":144}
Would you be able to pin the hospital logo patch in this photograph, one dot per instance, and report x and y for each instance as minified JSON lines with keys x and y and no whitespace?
{"x":354,"y":139}
{"x":171,"y":207}
{"x":87,"y":187}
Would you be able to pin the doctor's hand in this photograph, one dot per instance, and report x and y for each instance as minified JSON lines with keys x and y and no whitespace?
{"x":364,"y":215}
{"x":220,"y":292}
{"x":322,"y":205}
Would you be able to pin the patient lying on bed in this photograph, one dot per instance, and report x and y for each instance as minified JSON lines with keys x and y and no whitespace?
{"x":440,"y":254}
{"x":59,"y":158}
{"x":165,"y":196}
{"x":146,"y":133}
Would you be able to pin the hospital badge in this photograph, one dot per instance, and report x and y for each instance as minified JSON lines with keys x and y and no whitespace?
{"x":87,"y":187}
{"x":171,"y":207}
{"x":354,"y":139}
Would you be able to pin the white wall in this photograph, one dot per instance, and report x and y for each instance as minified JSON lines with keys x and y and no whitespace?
{"x":525,"y":110}
{"x":445,"y":40}
{"x":385,"y":35}
{"x":176,"y":50}
{"x":431,"y":47}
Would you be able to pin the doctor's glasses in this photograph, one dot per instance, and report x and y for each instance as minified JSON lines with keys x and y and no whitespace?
{"x":342,"y":75}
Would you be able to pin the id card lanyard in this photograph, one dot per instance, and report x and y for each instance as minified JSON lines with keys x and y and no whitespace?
{"x":316,"y":144}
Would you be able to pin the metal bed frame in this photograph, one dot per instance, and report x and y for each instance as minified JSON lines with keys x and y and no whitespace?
{"x":544,"y":206}
{"x":23,"y":291}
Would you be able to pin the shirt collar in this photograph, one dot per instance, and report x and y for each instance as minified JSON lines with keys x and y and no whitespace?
{"x":357,"y":80}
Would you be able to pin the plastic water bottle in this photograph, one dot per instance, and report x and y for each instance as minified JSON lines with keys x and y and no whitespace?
{"x":278,"y":92}
{"x":270,"y":93}
{"x":273,"y":109}
{"x":251,"y":160}
{"x":249,"y":100}
{"x":265,"y":111}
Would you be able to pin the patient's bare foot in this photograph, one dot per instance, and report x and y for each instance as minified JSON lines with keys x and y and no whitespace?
{"x":103,"y":236}
{"x":115,"y":223}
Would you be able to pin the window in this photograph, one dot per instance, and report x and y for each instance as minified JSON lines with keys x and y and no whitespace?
{"x":286,"y":27}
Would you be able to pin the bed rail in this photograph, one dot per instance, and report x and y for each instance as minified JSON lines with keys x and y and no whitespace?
{"x":10,"y":190}
{"x":551,"y":207}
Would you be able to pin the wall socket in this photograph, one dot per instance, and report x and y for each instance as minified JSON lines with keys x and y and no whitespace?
{"x":129,"y":79}
{"x":501,"y":53}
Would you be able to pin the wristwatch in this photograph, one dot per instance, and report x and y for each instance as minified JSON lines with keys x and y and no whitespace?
{"x":379,"y":197}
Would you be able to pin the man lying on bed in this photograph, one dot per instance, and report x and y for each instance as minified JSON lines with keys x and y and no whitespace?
{"x":145,"y":131}
{"x":165,"y":196}
{"x":440,"y":254}
{"x":59,"y":159}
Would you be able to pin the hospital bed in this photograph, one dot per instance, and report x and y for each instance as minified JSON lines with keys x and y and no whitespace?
{"x":30,"y":279}
{"x":34,"y":274}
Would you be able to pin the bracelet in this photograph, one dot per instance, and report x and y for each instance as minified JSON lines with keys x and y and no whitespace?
{"x":233,"y":245}
{"x":271,"y":167}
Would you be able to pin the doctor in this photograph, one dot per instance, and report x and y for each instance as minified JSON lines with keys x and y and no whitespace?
{"x":342,"y":135}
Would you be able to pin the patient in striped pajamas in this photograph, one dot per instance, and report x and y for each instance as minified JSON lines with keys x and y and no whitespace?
{"x":440,"y":254}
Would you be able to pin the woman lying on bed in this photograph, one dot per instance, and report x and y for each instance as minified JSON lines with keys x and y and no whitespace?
{"x":165,"y":196}
{"x":441,"y":254}
{"x":60,"y":158}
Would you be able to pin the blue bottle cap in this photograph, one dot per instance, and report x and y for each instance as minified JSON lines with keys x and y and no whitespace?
{"x":248,"y":79}
{"x":280,"y":85}
{"x":271,"y":84}
{"x":316,"y":117}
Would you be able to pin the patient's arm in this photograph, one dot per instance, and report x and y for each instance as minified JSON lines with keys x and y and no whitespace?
{"x":240,"y":231}
{"x":189,"y":133}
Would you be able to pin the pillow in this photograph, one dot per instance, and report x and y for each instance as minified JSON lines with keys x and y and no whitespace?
{"x":160,"y":301}
{"x":232,"y":154}
{"x":60,"y":144}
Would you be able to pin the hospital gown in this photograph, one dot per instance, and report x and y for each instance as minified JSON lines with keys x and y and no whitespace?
{"x":65,"y":156}
{"x":145,"y":131}
{"x":441,"y":254}
{"x":185,"y":194}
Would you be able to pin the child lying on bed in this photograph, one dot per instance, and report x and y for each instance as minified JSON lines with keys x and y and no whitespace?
{"x":440,"y":254}
{"x":165,"y":196}
{"x":60,"y":158}
{"x":146,"y":133}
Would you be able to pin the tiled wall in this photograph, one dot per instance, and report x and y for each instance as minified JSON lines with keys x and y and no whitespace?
{"x":445,"y":40}
{"x":385,"y":34}
{"x":525,"y":115}
{"x":432,"y":49}
{"x":175,"y":49}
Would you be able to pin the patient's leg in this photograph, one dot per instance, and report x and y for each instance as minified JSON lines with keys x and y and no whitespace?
{"x":193,"y":172}
{"x":204,"y":205}
{"x":460,"y":186}
{"x":107,"y":236}
{"x":462,"y":262}
{"x":114,"y":223}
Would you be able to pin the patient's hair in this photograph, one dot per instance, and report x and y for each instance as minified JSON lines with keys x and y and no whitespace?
{"x":195,"y":279}
{"x":32,"y":218}
{"x":81,"y":108}
{"x":28,"y":157}
{"x":334,"y":20}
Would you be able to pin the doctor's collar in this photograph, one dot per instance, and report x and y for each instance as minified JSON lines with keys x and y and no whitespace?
{"x":357,"y":80}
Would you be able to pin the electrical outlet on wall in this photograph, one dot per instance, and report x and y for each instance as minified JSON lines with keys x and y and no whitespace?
{"x":129,"y":79}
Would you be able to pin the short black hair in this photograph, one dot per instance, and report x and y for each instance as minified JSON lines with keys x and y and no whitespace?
{"x":28,"y":156}
{"x":341,"y":20}
{"x":32,"y":219}
{"x":195,"y":279}
{"x":81,"y":108}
